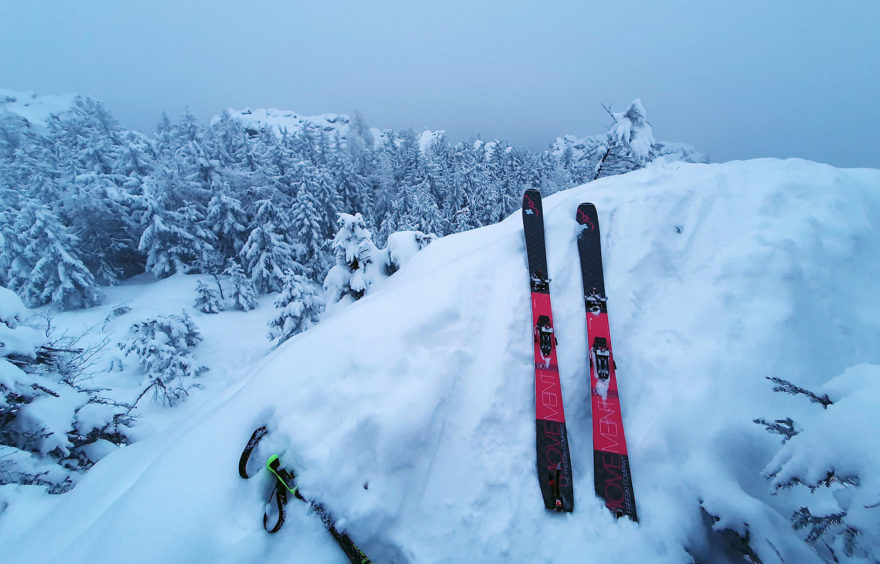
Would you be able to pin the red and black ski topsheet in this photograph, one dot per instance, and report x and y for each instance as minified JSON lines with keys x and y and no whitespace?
{"x":610,"y":459}
{"x":554,"y":461}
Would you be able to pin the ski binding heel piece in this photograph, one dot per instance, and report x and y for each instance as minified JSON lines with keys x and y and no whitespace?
{"x":601,"y":358}
{"x":544,"y":335}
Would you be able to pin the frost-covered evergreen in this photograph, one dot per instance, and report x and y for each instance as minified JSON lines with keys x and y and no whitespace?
{"x":298,"y":306}
{"x":831,"y":465}
{"x":629,"y":144}
{"x":355,"y":269}
{"x":173,"y":240}
{"x":50,"y":425}
{"x":163,"y":346}
{"x":42,"y":262}
{"x":242,"y":295}
{"x":305,"y":215}
{"x":228,"y":221}
{"x":208,"y":299}
{"x":268,"y":254}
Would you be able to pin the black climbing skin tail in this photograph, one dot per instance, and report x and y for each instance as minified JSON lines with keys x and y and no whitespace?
{"x":590,"y":250}
{"x":286,"y":479}
{"x":533,"y":228}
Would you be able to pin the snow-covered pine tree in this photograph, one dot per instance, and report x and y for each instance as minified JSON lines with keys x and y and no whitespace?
{"x":629,"y":142}
{"x":268,"y":253}
{"x":305,"y":215}
{"x":298,"y":307}
{"x":321,"y":183}
{"x":208,"y":298}
{"x":163,"y":346}
{"x":97,"y":169}
{"x":242,"y":295}
{"x":354,"y":271}
{"x":228,"y":221}
{"x":44,"y":266}
{"x":350,"y":186}
{"x":172,"y":240}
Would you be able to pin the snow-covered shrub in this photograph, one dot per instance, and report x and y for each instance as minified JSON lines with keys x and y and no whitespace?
{"x":403,"y":245}
{"x":50,"y":426}
{"x":242,"y":294}
{"x":833,"y":452}
{"x":164,"y":347}
{"x":298,"y":306}
{"x":208,"y":298}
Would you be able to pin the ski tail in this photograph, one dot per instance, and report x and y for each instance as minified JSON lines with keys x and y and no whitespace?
{"x":613,"y":479}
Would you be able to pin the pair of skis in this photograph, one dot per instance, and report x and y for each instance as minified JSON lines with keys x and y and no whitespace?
{"x":610,"y":462}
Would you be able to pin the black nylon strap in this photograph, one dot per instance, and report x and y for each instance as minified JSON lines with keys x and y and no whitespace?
{"x":280,"y":495}
{"x":252,"y":443}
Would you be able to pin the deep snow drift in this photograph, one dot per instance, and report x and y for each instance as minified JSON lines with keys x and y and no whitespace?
{"x":410,"y":414}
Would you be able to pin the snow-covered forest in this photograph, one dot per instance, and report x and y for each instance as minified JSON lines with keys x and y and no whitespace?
{"x":86,"y":203}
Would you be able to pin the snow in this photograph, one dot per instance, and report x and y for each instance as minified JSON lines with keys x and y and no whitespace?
{"x":36,"y":109}
{"x":281,"y":120}
{"x":16,"y":338}
{"x":410,"y":413}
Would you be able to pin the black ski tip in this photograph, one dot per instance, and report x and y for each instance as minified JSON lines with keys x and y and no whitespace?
{"x":587,"y":216}
{"x":531,"y":203}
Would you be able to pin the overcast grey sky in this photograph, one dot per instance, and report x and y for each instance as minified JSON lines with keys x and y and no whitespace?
{"x":737,"y":79}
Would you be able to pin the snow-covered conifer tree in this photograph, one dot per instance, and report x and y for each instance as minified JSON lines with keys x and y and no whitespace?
{"x":298,"y":306}
{"x":228,"y":221}
{"x":353,"y":273}
{"x":173,"y":241}
{"x":306,"y":220}
{"x":267,"y":254}
{"x":629,"y":142}
{"x":242,"y":295}
{"x":44,"y":267}
{"x":208,"y":298}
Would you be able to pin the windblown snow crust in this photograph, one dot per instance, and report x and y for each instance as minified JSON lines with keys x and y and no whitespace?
{"x":410,"y":414}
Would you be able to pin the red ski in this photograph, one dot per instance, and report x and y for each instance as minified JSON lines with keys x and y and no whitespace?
{"x":554,"y":462}
{"x":610,"y":460}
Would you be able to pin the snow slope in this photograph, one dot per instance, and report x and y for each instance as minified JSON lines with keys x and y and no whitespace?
{"x":410,"y":414}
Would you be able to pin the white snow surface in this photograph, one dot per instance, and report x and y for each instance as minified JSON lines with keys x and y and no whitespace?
{"x":281,"y":120}
{"x":410,"y":414}
{"x":35,"y":108}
